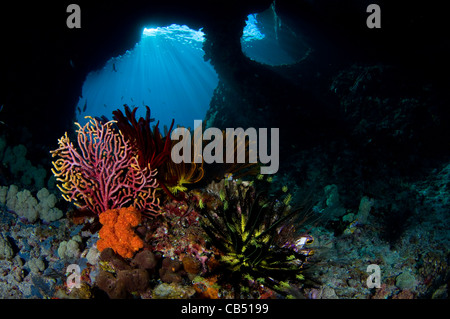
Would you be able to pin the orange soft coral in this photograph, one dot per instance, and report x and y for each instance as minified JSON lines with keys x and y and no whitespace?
{"x":117,"y":231}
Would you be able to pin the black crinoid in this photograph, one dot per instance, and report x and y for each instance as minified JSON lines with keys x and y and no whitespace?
{"x":256,"y":240}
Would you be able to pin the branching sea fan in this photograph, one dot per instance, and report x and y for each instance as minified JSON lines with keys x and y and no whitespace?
{"x":102,"y":173}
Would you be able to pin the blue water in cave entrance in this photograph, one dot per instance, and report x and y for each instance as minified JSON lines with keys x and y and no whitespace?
{"x":268,"y":40}
{"x":165,"y":71}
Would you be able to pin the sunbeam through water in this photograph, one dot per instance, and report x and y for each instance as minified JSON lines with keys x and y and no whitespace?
{"x":165,"y":71}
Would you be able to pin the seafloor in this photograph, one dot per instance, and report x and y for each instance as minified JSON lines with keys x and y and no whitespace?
{"x":412,"y":257}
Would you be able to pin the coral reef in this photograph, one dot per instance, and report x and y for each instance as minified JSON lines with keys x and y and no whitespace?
{"x":117,"y":231}
{"x":153,"y":150}
{"x":6,"y":251}
{"x":229,"y":239}
{"x":172,"y":291}
{"x":145,"y":260}
{"x":256,"y":238}
{"x":104,"y":174}
{"x":207,"y":288}
{"x":20,"y":167}
{"x":120,"y":279}
{"x":126,"y":282}
{"x":70,"y":249}
{"x":26,"y":206}
{"x":177,"y":176}
{"x":179,"y":260}
{"x":171,"y":270}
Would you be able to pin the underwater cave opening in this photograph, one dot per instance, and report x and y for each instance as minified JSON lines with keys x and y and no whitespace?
{"x":268,"y":40}
{"x":165,"y":70}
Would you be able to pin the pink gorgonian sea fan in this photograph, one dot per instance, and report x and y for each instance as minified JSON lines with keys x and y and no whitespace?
{"x":103,"y":173}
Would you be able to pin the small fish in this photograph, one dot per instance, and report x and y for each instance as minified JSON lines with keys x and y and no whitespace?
{"x":104,"y":105}
{"x":228,"y":176}
{"x":78,"y":109}
{"x":114,"y":67}
{"x":149,"y":90}
{"x":85,"y":105}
